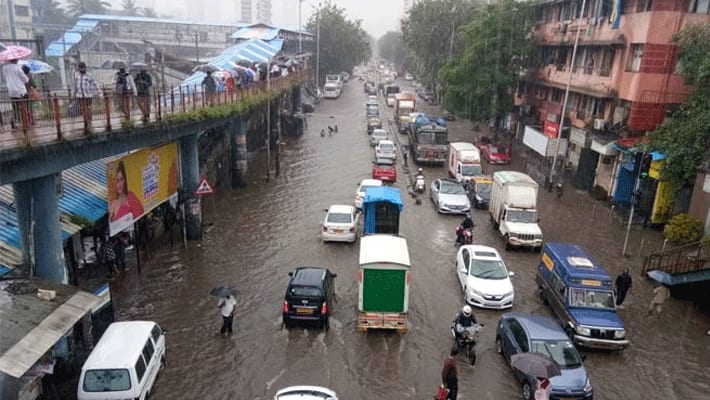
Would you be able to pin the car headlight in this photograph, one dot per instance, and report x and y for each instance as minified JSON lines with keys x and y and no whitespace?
{"x":587,"y":386}
{"x":619,"y":334}
{"x":583,"y":331}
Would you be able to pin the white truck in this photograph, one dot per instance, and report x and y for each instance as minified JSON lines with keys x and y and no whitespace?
{"x":464,"y":161}
{"x":513,"y":209}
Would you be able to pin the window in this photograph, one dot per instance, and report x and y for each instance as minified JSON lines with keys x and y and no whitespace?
{"x":466,"y":259}
{"x":107,"y":380}
{"x":140,"y":368}
{"x":699,"y":6}
{"x":644,"y":5}
{"x":521,"y":338}
{"x":148,"y":350}
{"x":607,"y":61}
{"x":636,"y":53}
{"x":22,"y":11}
{"x":156,"y":332}
{"x":556,"y":96}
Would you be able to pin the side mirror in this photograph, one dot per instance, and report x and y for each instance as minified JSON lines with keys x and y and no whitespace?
{"x":325,"y":209}
{"x":290,"y":274}
{"x":583,"y":357}
{"x":334,"y":275}
{"x":511,"y":274}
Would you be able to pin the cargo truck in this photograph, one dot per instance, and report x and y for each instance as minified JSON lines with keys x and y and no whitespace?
{"x":513,"y":209}
{"x":428,"y":140}
{"x":464,"y":161}
{"x":404,"y":104}
{"x":384,"y":278}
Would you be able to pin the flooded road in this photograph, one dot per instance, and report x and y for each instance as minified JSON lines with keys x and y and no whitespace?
{"x":261,"y":233}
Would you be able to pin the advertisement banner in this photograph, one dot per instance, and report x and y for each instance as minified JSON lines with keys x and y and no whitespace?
{"x":139,"y":182}
{"x":551,"y":129}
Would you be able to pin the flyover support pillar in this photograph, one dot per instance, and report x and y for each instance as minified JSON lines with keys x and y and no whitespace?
{"x":190,"y":168}
{"x":40,"y":231}
{"x":238,"y":151}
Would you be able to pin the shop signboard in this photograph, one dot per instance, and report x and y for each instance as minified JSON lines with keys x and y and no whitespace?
{"x":139,"y":182}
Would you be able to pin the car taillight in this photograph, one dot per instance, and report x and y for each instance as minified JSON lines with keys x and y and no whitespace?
{"x":352,"y":229}
{"x":324,"y":308}
{"x":325,"y":228}
{"x":285,"y":309}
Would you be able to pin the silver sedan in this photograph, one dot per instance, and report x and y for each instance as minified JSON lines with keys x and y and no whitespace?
{"x":449,"y":197}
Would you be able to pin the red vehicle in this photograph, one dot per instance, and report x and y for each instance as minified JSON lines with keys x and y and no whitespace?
{"x":495,"y":153}
{"x":385,"y":170}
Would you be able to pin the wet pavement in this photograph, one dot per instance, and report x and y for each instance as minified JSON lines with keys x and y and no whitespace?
{"x":261,"y":233}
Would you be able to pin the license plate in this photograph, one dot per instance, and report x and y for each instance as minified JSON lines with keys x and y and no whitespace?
{"x":301,"y":310}
{"x":338,"y":230}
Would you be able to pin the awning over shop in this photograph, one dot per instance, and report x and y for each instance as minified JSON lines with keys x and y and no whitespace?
{"x":542,"y":144}
{"x":604,"y":144}
{"x":24,"y":341}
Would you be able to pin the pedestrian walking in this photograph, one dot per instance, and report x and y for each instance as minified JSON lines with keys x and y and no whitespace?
{"x":85,"y":88}
{"x":623,"y":284}
{"x":143,"y":82}
{"x":405,"y":153}
{"x":543,"y":388}
{"x":226,"y":306}
{"x":661,"y":293}
{"x":120,"y":245}
{"x":449,"y":375}
{"x":210,"y":87}
{"x":32,"y":96}
{"x":125,"y":88}
{"x":16,"y":81}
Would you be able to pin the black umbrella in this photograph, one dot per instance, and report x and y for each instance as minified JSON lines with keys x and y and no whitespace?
{"x":113,"y":64}
{"x":223,"y":291}
{"x":535,"y":364}
{"x":205,"y":68}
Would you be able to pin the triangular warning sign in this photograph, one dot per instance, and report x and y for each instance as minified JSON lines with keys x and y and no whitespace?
{"x":204,"y":187}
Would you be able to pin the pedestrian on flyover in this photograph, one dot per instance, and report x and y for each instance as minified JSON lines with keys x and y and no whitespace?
{"x":449,"y":375}
{"x":661,"y":293}
{"x":125,"y":88}
{"x":226,"y":307}
{"x":16,"y":82}
{"x":210,"y":86}
{"x":85,"y":88}
{"x":623,"y":284}
{"x":144,"y":83}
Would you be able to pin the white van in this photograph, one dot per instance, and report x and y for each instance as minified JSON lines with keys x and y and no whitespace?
{"x":331,"y":90}
{"x":125,"y":363}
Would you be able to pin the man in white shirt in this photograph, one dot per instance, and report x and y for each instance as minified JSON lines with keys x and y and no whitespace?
{"x":16,"y":82}
{"x":226,"y":306}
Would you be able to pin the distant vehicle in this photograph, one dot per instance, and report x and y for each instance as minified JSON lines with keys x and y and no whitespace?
{"x":337,"y":79}
{"x":377,"y":135}
{"x":371,"y":102}
{"x":408,"y":77}
{"x":340,"y":224}
{"x":369,"y":85}
{"x":391,"y":89}
{"x":494,"y":154}
{"x":484,"y":278}
{"x":449,"y":197}
{"x":305,"y":393}
{"x":390,"y":100}
{"x":428,"y":139}
{"x":513,"y":209}
{"x":346,"y":76}
{"x":386,"y":149}
{"x":309,"y":296}
{"x":522,"y":333}
{"x":449,"y":116}
{"x":404,"y":104}
{"x":372,"y":110}
{"x":479,"y":191}
{"x":331,"y":90}
{"x":362,"y":189}
{"x":464,"y":161}
{"x":373,"y":123}
{"x":384,"y":169}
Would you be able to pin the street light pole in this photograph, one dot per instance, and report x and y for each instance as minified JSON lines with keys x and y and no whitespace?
{"x":318,"y":49}
{"x":300,"y":36}
{"x":567,"y":88}
{"x":268,"y":121}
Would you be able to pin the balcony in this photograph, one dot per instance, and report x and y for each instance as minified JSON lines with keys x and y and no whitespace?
{"x":585,"y":80}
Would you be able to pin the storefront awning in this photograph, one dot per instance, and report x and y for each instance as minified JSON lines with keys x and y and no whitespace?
{"x":24,"y":341}
{"x":541,"y":144}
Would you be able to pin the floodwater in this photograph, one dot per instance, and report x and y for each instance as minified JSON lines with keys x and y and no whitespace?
{"x":261,"y":233}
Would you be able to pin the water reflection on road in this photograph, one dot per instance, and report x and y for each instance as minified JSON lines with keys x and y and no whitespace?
{"x":266,"y":230}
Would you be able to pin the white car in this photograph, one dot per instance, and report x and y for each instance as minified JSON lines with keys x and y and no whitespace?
{"x":306,"y":393}
{"x":390,"y":100}
{"x":378,"y":135}
{"x":386,"y":149}
{"x":371,"y":97}
{"x":362,"y":187}
{"x":484,"y":278}
{"x":340,"y":224}
{"x":408,"y":77}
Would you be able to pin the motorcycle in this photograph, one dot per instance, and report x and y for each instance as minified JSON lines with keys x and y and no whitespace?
{"x":467,"y":341}
{"x":559,"y":189}
{"x":419,"y":185}
{"x":464,"y":236}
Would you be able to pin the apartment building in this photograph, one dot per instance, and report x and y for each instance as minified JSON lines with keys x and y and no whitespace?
{"x":16,"y":20}
{"x":263,"y":11}
{"x":247,"y":15}
{"x":624,"y":81}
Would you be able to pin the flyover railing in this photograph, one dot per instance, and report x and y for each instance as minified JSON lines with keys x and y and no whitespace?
{"x":59,"y":115}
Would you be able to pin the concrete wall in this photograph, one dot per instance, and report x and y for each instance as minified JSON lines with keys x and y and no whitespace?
{"x":700,"y":201}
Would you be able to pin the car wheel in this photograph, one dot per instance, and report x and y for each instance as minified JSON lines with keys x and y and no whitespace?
{"x":507,"y":242}
{"x":499,"y":345}
{"x":526,"y":391}
{"x":287,"y":323}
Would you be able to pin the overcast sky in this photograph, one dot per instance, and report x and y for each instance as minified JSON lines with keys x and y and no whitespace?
{"x":378,"y":16}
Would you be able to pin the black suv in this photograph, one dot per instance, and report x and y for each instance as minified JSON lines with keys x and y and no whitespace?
{"x":309,"y":296}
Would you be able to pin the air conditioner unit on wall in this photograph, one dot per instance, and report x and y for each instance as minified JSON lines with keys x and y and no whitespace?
{"x":599,"y":123}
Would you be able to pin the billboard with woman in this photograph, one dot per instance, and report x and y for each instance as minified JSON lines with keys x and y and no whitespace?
{"x":139,"y":182}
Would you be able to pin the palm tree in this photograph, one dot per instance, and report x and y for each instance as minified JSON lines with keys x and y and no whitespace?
{"x":75,"y":8}
{"x":129,"y":8}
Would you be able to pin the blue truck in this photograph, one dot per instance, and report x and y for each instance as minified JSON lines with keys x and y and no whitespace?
{"x":579,"y":291}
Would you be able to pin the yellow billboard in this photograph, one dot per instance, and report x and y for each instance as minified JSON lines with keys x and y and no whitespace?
{"x":139,"y":182}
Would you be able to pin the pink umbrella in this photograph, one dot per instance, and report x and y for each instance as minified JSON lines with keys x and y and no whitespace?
{"x":14,"y":53}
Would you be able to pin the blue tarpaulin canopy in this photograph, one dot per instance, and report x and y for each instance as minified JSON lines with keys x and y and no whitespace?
{"x":375,"y":196}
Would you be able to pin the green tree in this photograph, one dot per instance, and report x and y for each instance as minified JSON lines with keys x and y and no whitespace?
{"x":51,"y":14}
{"x":391,"y":47}
{"x":685,"y":136}
{"x":343,"y":42}
{"x":149,"y":12}
{"x":130,"y":8}
{"x":481,"y":83}
{"x":428,"y":31}
{"x":75,"y":8}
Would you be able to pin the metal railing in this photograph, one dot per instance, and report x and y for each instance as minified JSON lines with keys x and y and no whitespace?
{"x":689,"y":258}
{"x":58,"y":115}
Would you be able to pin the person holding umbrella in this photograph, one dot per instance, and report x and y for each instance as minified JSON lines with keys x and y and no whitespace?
{"x":227,"y":303}
{"x":542,"y":392}
{"x":125,"y":87}
{"x":16,"y":81}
